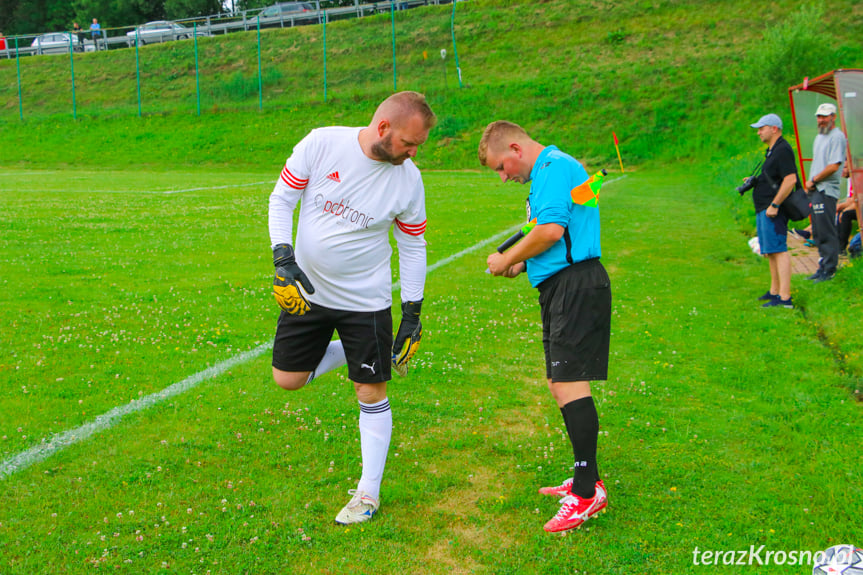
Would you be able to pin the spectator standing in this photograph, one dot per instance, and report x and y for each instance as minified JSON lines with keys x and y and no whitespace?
{"x":79,"y":33}
{"x":777,"y":180}
{"x":561,"y":258}
{"x":2,"y":41}
{"x":95,"y":32}
{"x":828,"y":156}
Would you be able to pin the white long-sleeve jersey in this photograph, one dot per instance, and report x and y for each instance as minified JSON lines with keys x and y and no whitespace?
{"x":348,"y":204}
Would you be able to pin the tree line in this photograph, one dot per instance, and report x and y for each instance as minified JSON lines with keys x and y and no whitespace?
{"x":38,"y":16}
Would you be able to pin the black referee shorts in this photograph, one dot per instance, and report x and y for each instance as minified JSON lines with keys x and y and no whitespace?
{"x":576,"y":322}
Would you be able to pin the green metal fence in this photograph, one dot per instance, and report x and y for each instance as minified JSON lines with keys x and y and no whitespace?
{"x":208,"y":72}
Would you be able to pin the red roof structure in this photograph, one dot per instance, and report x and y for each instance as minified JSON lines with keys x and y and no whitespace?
{"x":844,"y":89}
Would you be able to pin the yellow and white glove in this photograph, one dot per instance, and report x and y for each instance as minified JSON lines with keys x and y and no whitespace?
{"x":287,"y":281}
{"x":407,"y":340}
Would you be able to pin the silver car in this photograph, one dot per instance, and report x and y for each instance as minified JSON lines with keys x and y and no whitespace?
{"x":56,"y":43}
{"x":161,"y":31}
{"x":288,"y":14}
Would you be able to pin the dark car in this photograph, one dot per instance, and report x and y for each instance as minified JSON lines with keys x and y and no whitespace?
{"x":289,"y":14}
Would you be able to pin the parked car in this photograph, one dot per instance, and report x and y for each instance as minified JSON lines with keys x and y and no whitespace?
{"x":161,"y":31}
{"x":288,"y":14}
{"x":57,"y":43}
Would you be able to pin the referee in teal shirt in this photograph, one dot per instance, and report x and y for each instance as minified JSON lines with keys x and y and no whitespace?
{"x":561,"y":257}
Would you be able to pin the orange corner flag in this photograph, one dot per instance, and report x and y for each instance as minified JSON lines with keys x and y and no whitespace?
{"x":617,"y":147}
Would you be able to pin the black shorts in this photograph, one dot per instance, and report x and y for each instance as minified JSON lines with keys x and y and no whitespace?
{"x":302,"y":340}
{"x":576,"y":322}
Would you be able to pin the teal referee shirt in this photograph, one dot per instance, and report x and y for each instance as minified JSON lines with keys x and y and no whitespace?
{"x":552,"y":178}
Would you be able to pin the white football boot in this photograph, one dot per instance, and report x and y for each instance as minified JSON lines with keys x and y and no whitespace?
{"x":361,"y":507}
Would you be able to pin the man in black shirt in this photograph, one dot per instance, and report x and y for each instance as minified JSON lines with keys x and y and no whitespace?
{"x":777,"y":180}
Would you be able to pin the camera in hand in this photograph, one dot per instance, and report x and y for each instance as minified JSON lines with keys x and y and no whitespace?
{"x":748,"y":184}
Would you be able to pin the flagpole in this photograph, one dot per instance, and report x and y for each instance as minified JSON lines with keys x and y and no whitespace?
{"x":616,"y":147}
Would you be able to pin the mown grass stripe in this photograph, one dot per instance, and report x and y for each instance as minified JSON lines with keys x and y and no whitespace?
{"x":152,"y":192}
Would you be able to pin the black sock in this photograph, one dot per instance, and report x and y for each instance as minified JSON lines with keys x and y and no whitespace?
{"x":582,"y":425}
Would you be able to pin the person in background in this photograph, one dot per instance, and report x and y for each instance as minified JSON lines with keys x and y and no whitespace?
{"x":79,"y":33}
{"x":95,"y":32}
{"x":776,"y":181}
{"x":846,"y":213}
{"x":828,"y":156}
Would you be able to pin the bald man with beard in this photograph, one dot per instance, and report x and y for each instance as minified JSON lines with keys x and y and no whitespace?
{"x":352,"y":186}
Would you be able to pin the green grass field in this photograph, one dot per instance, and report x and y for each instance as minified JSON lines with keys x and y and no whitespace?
{"x":722,"y":425}
{"x":136,"y":308}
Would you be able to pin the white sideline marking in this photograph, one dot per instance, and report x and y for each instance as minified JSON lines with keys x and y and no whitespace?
{"x":59,"y":441}
{"x":217,"y":187}
{"x":397,"y":285}
{"x":62,"y":440}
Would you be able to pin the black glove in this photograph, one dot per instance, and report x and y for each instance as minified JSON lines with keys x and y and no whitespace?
{"x":407,"y":340}
{"x":285,"y":287}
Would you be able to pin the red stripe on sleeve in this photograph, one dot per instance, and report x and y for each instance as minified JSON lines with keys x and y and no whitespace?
{"x":412,"y":229}
{"x":293,"y":181}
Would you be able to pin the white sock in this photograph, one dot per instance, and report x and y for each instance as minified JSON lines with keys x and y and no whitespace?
{"x":376,"y":428}
{"x":334,"y":357}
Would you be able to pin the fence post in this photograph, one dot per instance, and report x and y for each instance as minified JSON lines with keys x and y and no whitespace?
{"x":72,"y":72}
{"x":454,"y":48}
{"x":325,"y":58}
{"x":18,"y":65}
{"x":260,"y":77}
{"x":393,"y":26}
{"x":197,"y":73}
{"x":138,"y":67}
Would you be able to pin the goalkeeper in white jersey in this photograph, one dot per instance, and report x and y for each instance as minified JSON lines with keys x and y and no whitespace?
{"x":352,"y":185}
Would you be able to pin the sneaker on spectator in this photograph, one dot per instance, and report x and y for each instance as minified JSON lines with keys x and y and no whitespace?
{"x":823,"y":278}
{"x":768,"y":296}
{"x":574,"y":510}
{"x":810,"y":243}
{"x":779,"y":302}
{"x":361,"y":507}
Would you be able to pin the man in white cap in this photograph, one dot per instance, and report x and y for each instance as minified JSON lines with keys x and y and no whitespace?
{"x":777,"y":180}
{"x":828,"y":155}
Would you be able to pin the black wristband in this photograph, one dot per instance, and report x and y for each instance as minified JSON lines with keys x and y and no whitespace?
{"x":774,"y":205}
{"x":282,"y":254}
{"x":412,"y":308}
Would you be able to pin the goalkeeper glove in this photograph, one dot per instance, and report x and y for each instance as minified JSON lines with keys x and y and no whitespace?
{"x":285,"y":283}
{"x":407,"y":339}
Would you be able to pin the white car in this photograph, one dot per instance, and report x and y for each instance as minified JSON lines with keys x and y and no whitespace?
{"x":161,"y":31}
{"x":57,"y":43}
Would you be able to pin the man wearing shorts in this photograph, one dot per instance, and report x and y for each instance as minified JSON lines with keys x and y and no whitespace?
{"x":353,"y":185}
{"x":777,"y":180}
{"x":561,"y":257}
